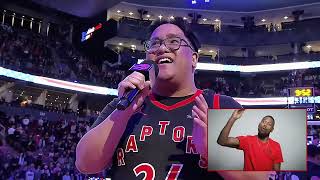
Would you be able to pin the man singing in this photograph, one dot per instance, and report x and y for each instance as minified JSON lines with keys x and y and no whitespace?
{"x":168,"y":139}
{"x":261,"y":153}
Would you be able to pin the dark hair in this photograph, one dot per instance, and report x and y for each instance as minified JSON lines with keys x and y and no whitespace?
{"x":269,"y":116}
{"x":183,"y":25}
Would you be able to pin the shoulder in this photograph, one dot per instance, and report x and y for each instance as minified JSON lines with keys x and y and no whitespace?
{"x":226,"y":102}
{"x":229,"y":102}
{"x":274,"y":143}
{"x":247,"y":137}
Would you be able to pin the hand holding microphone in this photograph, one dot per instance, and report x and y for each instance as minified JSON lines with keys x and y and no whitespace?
{"x":135,"y":87}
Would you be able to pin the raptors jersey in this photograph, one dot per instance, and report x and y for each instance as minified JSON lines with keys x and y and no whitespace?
{"x":157,"y":143}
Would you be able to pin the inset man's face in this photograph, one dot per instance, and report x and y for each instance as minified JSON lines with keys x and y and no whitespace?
{"x":266,"y":126}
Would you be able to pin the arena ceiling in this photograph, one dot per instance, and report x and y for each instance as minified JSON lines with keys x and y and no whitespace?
{"x":89,"y":8}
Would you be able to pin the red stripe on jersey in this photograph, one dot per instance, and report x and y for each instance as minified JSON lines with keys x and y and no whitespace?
{"x":174,"y":171}
{"x":177,"y":105}
{"x":216,"y":101}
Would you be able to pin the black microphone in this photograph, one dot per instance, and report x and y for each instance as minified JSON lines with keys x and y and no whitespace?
{"x":149,"y":69}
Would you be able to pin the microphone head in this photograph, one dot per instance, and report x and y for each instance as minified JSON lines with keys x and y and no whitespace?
{"x":146,"y":67}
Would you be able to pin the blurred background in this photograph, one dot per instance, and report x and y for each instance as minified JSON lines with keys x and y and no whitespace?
{"x":61,"y":62}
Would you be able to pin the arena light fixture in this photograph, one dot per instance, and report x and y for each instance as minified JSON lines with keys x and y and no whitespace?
{"x":309,"y":46}
{"x":184,"y":18}
{"x":286,"y":17}
{"x":204,"y":19}
{"x":148,"y":15}
{"x":193,"y":2}
{"x":120,"y":44}
{"x":217,"y":20}
{"x":263,"y":20}
{"x":160,"y":16}
{"x":130,"y":13}
{"x":118,"y":11}
{"x":109,"y":91}
{"x":171,"y":17}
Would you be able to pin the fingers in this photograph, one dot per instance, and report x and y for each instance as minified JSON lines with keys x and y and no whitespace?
{"x":200,"y":110}
{"x":201,"y":103}
{"x":199,"y":122}
{"x":134,"y":80}
{"x":141,"y":96}
{"x":123,"y":86}
{"x":197,"y":113}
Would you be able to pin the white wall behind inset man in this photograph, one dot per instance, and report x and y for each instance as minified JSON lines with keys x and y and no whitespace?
{"x":289,"y":131}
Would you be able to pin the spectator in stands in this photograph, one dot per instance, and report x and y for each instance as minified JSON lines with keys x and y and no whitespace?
{"x":313,"y":162}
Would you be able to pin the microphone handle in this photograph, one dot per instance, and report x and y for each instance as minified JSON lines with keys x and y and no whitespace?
{"x":127,"y":99}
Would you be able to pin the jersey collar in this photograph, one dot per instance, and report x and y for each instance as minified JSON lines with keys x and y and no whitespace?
{"x":176,"y":105}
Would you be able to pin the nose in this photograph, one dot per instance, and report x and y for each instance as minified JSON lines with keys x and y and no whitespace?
{"x":162,"y":49}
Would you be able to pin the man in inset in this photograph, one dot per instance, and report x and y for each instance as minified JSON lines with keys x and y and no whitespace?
{"x":261,"y":153}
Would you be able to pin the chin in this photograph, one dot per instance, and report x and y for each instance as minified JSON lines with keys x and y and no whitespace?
{"x":164,"y":77}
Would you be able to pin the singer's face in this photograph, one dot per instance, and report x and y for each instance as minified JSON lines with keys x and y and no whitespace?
{"x":175,"y":66}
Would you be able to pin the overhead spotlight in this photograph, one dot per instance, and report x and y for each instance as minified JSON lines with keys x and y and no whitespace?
{"x":148,"y":15}
{"x":211,"y":51}
{"x":204,"y":19}
{"x":130,"y":13}
{"x":118,"y":11}
{"x":120,"y":44}
{"x":309,"y":46}
{"x":199,"y":50}
{"x":23,"y":16}
{"x":171,"y":17}
{"x":286,"y":17}
{"x":206,"y":1}
{"x":193,"y":2}
{"x":160,"y":17}
{"x":184,"y":18}
{"x":263,"y":20}
{"x":216,"y":20}
{"x":133,"y":46}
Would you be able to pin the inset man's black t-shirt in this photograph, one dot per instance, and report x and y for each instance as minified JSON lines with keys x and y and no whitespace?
{"x":157,"y":143}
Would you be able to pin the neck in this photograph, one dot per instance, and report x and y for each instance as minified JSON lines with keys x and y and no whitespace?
{"x":170,"y":89}
{"x":263,"y":137}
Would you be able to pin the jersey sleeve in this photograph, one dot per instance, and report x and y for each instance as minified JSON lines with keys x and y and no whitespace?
{"x":243,"y":142}
{"x":227,"y":102}
{"x":278,"y":154}
{"x":107,"y":110}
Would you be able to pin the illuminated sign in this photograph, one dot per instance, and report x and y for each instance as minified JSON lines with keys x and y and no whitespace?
{"x":301,"y":92}
{"x":302,"y":98}
{"x":88,"y":34}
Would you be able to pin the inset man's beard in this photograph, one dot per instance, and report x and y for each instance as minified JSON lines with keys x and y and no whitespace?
{"x":263,"y":136}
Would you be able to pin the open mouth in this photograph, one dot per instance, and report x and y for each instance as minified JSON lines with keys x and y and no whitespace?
{"x":164,"y":61}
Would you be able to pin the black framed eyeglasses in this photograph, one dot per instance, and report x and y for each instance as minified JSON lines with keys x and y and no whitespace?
{"x":172,"y":44}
